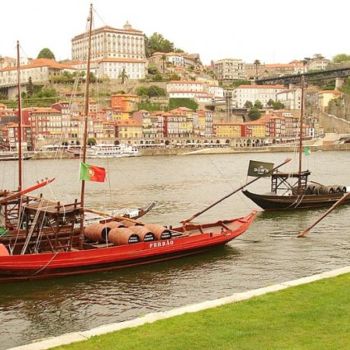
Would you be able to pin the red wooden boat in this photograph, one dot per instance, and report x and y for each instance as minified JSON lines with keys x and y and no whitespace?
{"x":182,"y":241}
{"x":49,"y":239}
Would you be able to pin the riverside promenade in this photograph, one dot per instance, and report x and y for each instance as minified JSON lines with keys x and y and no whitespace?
{"x":307,"y":323}
{"x":169,"y":151}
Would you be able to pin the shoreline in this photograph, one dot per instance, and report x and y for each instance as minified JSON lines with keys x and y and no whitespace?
{"x":186,"y":151}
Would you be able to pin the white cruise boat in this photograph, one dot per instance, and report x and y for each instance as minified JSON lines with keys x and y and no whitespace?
{"x":112,"y":151}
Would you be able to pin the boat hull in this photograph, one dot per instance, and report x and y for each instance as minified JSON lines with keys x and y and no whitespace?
{"x":43,"y":265}
{"x":292,"y":202}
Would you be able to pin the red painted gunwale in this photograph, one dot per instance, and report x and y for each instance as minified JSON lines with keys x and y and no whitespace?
{"x":103,"y":258}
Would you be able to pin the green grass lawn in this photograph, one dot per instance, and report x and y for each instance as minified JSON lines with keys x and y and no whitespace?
{"x":312,"y":316}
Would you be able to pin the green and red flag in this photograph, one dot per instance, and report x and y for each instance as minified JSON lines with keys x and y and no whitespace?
{"x":92,"y":173}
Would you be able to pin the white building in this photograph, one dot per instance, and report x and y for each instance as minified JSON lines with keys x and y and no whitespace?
{"x":39,"y":70}
{"x":230,"y":69}
{"x":112,"y":50}
{"x":199,"y":91}
{"x":252,"y":93}
{"x":290,"y":98}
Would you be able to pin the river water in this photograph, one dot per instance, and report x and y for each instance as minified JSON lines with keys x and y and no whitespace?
{"x":267,"y":253}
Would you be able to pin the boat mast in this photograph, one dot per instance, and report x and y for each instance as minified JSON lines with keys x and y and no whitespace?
{"x":86,"y":108}
{"x":302,"y":107}
{"x":19,"y":120}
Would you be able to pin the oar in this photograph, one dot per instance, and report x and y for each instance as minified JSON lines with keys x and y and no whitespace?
{"x":232,"y":193}
{"x":337,"y":203}
{"x":15,"y":195}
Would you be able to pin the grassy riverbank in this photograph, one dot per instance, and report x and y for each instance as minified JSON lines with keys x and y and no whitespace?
{"x":311,"y":316}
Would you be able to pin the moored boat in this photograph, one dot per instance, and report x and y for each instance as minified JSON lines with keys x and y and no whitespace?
{"x":96,"y":256}
{"x":293,"y":190}
{"x":112,"y":151}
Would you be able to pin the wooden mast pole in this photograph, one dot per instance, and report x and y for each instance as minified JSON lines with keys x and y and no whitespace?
{"x":86,"y":107}
{"x":301,"y":129}
{"x":86,"y":113}
{"x":20,"y":176}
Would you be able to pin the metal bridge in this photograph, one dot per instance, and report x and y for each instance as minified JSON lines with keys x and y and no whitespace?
{"x":333,"y":73}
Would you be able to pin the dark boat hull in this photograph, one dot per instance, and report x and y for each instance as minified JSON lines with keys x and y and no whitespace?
{"x":292,"y":202}
{"x":43,"y":265}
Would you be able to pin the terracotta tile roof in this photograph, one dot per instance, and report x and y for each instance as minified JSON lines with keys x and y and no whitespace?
{"x":40,"y":62}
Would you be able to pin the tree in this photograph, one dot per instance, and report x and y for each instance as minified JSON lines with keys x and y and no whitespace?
{"x":270,"y":102}
{"x":163,"y":63}
{"x":183,"y":102}
{"x":142,"y":91}
{"x":91,"y":141}
{"x":342,"y":57}
{"x":152,"y":70}
{"x":248,"y":104}
{"x":258,"y":104}
{"x":278,"y":105}
{"x":123,"y":76}
{"x":155,"y":90}
{"x":46,"y":53}
{"x":254,"y":114}
{"x":256,"y":64}
{"x":157,"y":43}
{"x":30,"y":87}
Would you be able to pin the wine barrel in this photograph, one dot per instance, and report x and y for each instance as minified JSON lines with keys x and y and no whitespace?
{"x":160,"y":232}
{"x":3,"y":250}
{"x":99,"y":232}
{"x":143,"y":232}
{"x":121,"y":236}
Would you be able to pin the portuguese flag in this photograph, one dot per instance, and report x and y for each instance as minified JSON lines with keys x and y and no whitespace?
{"x":92,"y":173}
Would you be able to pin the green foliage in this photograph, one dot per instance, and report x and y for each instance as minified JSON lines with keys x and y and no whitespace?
{"x":174,"y":76}
{"x":46,"y":53}
{"x":342,"y":57}
{"x":346,"y":87}
{"x":183,"y":102}
{"x":239,"y":82}
{"x":46,"y":92}
{"x":155,"y":90}
{"x":142,"y":91}
{"x":275,"y":104}
{"x":148,"y":106}
{"x":258,"y":104}
{"x":270,"y":102}
{"x":254,"y":113}
{"x":157,"y":77}
{"x":278,"y":105}
{"x":152,"y":91}
{"x":123,"y":76}
{"x":152,"y":70}
{"x":30,"y":87}
{"x":248,"y":104}
{"x":157,"y":43}
{"x":308,"y":317}
{"x":91,"y":141}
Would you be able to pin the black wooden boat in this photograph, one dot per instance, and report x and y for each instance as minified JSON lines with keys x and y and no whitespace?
{"x":293,"y":190}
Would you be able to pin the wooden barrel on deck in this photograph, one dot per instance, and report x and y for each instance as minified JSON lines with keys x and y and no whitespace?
{"x":3,"y":250}
{"x":121,"y":236}
{"x":159,"y":231}
{"x":143,"y":232}
{"x":100,"y":232}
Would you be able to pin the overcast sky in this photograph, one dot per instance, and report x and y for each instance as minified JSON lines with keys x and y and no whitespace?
{"x":269,"y":30}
